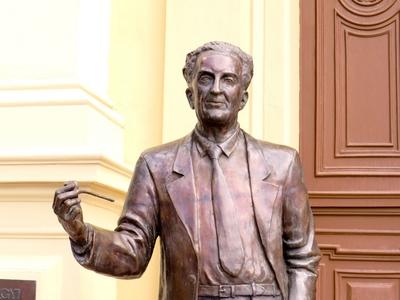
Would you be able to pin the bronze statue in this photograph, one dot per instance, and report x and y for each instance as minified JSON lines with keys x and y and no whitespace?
{"x":231,"y":211}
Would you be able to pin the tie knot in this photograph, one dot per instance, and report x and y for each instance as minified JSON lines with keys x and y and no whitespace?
{"x":214,"y":151}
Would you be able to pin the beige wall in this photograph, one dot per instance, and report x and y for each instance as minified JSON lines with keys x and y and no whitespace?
{"x":137,"y":71}
{"x":269,"y":30}
{"x":136,"y":86}
{"x":86,"y":85}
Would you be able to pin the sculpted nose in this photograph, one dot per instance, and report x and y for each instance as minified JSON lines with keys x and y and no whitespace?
{"x":215,"y":89}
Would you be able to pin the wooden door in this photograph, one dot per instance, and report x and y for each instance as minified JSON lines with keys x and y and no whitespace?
{"x":350,"y":143}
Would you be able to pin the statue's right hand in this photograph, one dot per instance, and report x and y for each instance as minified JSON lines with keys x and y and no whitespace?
{"x":66,"y":206}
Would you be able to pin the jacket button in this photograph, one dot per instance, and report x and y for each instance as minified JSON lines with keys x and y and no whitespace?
{"x":192,"y":278}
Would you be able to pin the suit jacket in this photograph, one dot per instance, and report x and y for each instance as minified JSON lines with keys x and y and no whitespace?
{"x":161,"y":202}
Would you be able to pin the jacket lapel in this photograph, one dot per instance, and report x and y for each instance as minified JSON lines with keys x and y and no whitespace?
{"x":264,"y":195}
{"x":180,"y":187}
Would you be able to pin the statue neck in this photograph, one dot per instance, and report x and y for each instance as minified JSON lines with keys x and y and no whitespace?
{"x":217,"y":134}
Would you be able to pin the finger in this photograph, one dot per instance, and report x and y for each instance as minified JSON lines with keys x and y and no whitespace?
{"x":72,"y":213}
{"x":68,"y":186}
{"x":72,"y":184}
{"x":64,"y":208}
{"x":59,"y":199}
{"x":68,"y":195}
{"x":72,"y":202}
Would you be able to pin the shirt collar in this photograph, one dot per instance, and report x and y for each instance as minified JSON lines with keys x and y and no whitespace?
{"x":227,"y":146}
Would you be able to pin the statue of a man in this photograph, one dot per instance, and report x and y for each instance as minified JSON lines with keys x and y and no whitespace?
{"x":231,"y":211}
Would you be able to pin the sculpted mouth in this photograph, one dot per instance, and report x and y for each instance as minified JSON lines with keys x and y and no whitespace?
{"x":215,"y":104}
{"x":215,"y":101}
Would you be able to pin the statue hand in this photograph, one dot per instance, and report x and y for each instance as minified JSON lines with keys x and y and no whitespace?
{"x":66,"y":206}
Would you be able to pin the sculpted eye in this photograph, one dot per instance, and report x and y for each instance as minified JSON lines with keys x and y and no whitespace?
{"x":229,"y":80}
{"x":204,"y":79}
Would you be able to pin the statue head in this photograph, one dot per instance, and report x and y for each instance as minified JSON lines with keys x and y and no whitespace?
{"x":221,"y":47}
{"x":218,"y":75}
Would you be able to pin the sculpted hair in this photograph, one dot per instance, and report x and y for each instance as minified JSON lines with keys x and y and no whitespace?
{"x":222,"y":47}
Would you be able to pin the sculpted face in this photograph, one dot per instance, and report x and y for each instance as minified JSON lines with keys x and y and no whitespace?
{"x":217,"y":93}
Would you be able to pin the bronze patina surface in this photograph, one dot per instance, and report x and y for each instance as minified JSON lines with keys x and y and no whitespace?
{"x":231,"y":211}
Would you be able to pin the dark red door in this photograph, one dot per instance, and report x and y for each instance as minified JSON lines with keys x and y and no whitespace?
{"x":350,"y":143}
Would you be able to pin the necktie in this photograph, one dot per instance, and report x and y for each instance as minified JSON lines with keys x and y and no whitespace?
{"x":231,"y":253}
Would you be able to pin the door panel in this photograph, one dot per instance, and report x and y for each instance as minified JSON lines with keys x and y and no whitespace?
{"x":350,"y":143}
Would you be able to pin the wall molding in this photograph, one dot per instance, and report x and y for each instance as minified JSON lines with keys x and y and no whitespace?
{"x":43,"y":192}
{"x":356,"y":211}
{"x":379,"y":201}
{"x":366,"y":284}
{"x":336,"y":252}
{"x":19,"y":199}
{"x":65,"y":159}
{"x":41,"y":172}
{"x":327,"y":231}
{"x":354,"y":195}
{"x":23,"y":235}
{"x":55,"y":93}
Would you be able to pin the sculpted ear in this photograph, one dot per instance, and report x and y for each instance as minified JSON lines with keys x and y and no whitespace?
{"x":189,"y":96}
{"x":245,"y":97}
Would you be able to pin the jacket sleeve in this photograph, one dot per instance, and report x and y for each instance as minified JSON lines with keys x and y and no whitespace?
{"x":300,"y":248}
{"x":126,"y":251}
